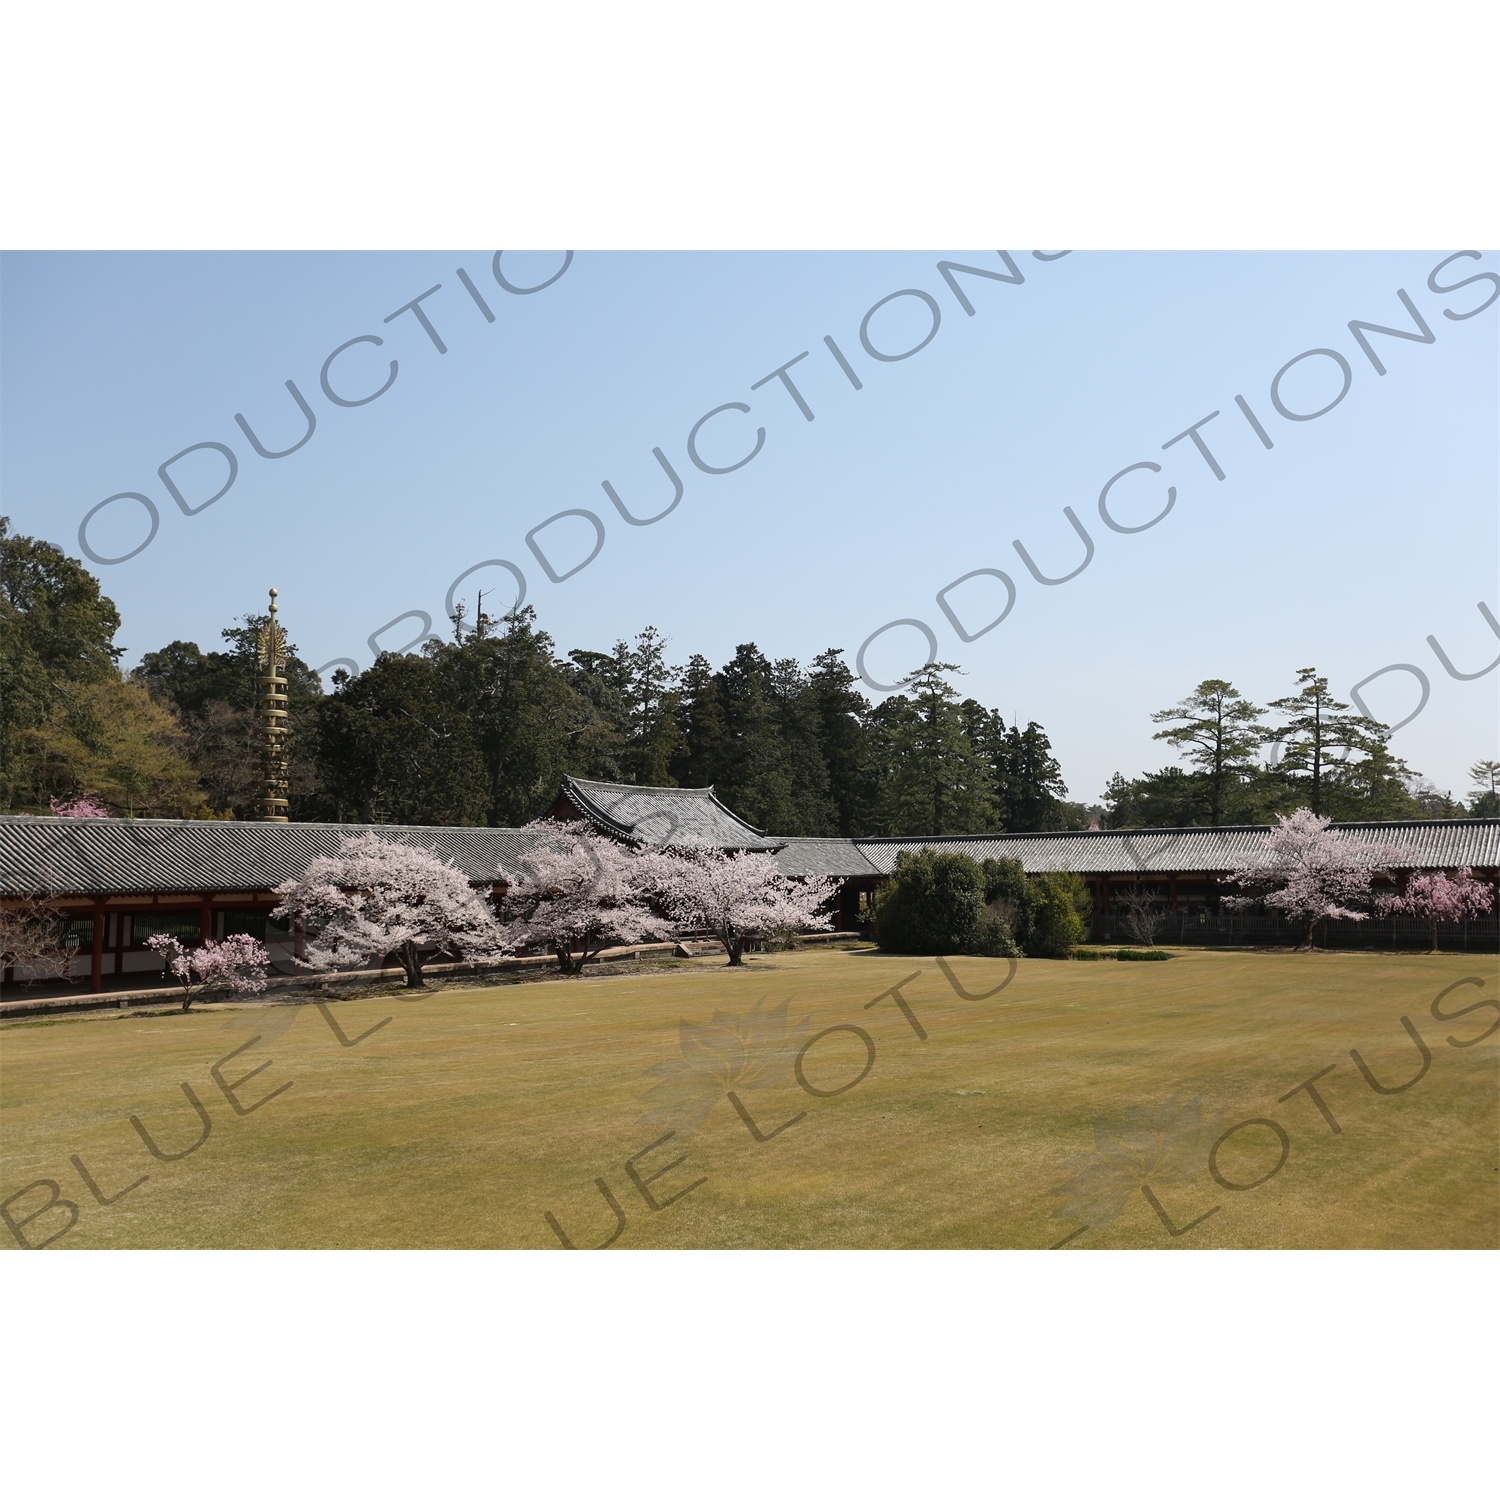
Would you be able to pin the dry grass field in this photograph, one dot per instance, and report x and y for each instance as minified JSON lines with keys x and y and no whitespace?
{"x":1082,"y":1102}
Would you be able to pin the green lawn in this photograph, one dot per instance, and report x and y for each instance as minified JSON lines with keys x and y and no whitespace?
{"x":476,"y":1112}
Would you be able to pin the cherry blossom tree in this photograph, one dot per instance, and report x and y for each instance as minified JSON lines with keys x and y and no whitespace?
{"x":31,"y":941}
{"x":80,"y":807}
{"x":1436,"y":897}
{"x":1310,"y":872}
{"x":738,"y":895}
{"x":377,"y":897}
{"x":237,"y":965}
{"x":581,"y":892}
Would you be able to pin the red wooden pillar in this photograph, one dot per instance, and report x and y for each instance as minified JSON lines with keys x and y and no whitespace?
{"x":1171,"y":893}
{"x":96,"y":959}
{"x":205,"y":921}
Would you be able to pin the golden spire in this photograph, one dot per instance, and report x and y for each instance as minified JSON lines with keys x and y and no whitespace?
{"x":271,"y":712}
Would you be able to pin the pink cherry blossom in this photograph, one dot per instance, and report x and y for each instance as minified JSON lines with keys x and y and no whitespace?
{"x":80,"y":807}
{"x":737,"y":895}
{"x":1436,"y":897}
{"x":377,"y":897}
{"x":236,"y":965}
{"x":1310,"y":872}
{"x":580,"y":892}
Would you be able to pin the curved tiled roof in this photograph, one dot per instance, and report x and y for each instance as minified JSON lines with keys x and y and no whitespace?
{"x":1446,"y":844}
{"x":85,"y":856}
{"x":88,"y":856}
{"x":663,"y":814}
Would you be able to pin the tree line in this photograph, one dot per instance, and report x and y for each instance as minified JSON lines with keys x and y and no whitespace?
{"x":70,"y":721}
{"x":1248,"y":764}
{"x":480,"y":728}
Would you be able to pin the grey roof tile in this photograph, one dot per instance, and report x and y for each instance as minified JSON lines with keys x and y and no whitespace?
{"x":1432,"y":845}
{"x":823,"y":857}
{"x":85,"y":856}
{"x":664,"y":814}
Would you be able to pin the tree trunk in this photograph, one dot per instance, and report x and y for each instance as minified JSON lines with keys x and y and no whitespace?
{"x":565,"y":960}
{"x":411,"y":961}
{"x":736,"y":946}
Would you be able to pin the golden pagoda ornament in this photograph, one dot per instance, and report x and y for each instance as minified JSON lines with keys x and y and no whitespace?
{"x":271,"y":714}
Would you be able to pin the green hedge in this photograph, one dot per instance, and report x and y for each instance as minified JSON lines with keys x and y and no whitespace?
{"x":1045,"y":913}
{"x":946,"y":903}
{"x":934,"y":904}
{"x":1057,"y":926}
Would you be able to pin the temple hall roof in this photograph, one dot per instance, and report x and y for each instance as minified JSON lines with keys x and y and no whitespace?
{"x":659,"y":814}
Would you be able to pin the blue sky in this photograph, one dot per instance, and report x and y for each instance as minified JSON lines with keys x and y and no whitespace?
{"x":1347,"y":544}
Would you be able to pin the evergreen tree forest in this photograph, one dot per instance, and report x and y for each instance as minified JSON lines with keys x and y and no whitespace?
{"x":478,"y":729}
{"x":1246,"y":764}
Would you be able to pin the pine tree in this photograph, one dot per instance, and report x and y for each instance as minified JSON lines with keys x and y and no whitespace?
{"x":797,"y":724}
{"x":651,"y":696}
{"x":751,"y":776}
{"x":1033,"y":791}
{"x":1216,"y":729}
{"x":1485,"y":803}
{"x":700,"y":755}
{"x":1169,"y":798}
{"x":597,"y":739}
{"x":1373,"y":787}
{"x":523,"y":712}
{"x":937,"y":782}
{"x":985,"y":730}
{"x":844,"y":740}
{"x":1315,"y":725}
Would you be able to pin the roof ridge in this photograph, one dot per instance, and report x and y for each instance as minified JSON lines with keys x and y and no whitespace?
{"x":630,"y":786}
{"x":590,"y":809}
{"x":1062,"y":833}
{"x":589,"y":798}
{"x":28,"y":820}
